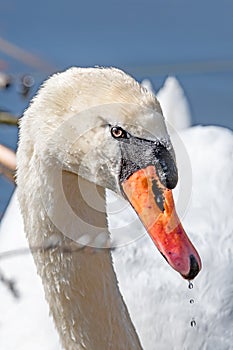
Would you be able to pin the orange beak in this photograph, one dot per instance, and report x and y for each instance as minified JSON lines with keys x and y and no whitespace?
{"x":155,"y":207}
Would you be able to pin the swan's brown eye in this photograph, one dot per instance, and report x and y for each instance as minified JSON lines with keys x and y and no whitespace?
{"x":117,"y":132}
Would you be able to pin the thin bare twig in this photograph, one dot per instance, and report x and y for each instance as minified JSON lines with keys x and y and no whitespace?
{"x":10,"y":285}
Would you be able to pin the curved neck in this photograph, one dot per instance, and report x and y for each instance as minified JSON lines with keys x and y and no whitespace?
{"x":80,"y":283}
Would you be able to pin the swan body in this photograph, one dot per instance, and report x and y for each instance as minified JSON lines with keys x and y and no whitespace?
{"x":163,"y":298}
{"x":170,"y":95}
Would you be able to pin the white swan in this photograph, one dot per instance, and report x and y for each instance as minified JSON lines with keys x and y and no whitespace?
{"x":99,"y":124}
{"x":158,"y":300}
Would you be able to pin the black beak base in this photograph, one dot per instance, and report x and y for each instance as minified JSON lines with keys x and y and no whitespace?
{"x":139,"y":153}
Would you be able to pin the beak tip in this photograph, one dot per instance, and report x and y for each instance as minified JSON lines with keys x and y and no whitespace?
{"x":195,"y":268}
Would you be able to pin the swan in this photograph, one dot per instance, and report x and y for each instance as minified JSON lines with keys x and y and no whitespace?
{"x":87,"y":130}
{"x":158,"y":300}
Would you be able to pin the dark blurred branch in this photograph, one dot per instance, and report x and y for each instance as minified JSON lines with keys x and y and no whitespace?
{"x":7,"y":162}
{"x":7,"y":173}
{"x":8,"y":118}
{"x":24,"y":56}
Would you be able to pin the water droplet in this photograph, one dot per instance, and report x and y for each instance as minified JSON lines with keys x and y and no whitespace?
{"x":193,"y":323}
{"x":72,"y":335}
{"x":190,"y":285}
{"x":191,"y":301}
{"x":42,"y":215}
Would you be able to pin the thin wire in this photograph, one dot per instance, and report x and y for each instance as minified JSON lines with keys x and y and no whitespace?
{"x":11,"y":284}
{"x":23,"y":251}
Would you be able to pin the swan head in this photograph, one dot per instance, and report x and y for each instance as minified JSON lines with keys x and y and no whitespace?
{"x":102,"y":125}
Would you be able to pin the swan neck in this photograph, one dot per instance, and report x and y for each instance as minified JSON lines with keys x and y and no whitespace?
{"x":80,"y":282}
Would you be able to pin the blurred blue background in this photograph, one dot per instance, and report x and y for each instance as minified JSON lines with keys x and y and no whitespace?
{"x":148,"y":39}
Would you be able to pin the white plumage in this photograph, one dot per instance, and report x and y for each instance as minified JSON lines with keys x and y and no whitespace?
{"x":156,"y":297}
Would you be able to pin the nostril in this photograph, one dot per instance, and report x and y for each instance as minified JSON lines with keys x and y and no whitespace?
{"x":194,"y":268}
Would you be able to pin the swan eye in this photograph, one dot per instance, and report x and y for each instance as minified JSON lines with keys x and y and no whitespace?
{"x":118,"y":133}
